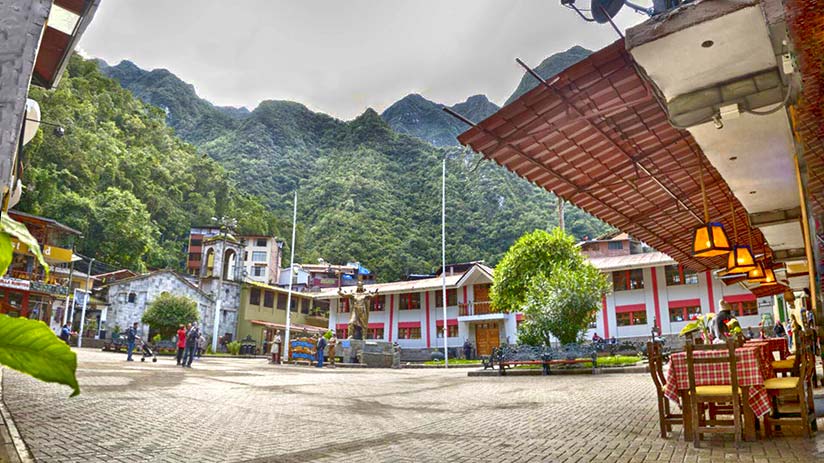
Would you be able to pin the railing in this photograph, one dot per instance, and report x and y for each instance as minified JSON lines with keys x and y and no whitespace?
{"x":474,"y":308}
{"x":23,"y":275}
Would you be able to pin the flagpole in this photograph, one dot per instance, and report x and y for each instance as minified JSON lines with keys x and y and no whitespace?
{"x":443,"y":263}
{"x":291,"y":278}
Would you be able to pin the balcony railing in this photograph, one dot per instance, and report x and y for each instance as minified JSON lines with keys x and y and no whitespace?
{"x":38,"y":276}
{"x":474,"y":308}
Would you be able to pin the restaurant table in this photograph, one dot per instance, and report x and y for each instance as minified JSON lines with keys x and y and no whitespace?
{"x":778,"y":345}
{"x":750,"y":379}
{"x":765,"y":349}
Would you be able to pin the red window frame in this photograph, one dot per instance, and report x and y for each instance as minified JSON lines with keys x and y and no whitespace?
{"x":627,"y":283}
{"x":409,"y":301}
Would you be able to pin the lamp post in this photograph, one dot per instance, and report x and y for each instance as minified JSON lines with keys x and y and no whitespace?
{"x":85,"y":303}
{"x":291,"y":279}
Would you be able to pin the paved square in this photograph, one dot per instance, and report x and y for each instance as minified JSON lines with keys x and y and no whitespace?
{"x":245,"y":410}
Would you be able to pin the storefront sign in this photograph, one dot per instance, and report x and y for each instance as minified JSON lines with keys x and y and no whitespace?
{"x":15,"y":283}
{"x":52,"y":253}
{"x":41,"y":287}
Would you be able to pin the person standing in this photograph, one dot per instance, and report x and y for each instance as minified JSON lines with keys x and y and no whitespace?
{"x":467,"y":348}
{"x":276,"y":348}
{"x":321,"y":346}
{"x":65,"y":333}
{"x":333,"y":341}
{"x":131,"y":338}
{"x":201,"y":345}
{"x":191,"y":345}
{"x":181,"y":343}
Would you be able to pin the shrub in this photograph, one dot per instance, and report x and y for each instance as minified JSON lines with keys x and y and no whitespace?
{"x":233,"y":347}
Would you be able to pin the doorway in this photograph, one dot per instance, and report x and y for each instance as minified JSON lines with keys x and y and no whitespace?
{"x":487,"y":337}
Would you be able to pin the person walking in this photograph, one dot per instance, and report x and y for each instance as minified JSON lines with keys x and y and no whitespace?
{"x":333,"y":342}
{"x":181,"y":343}
{"x":276,"y":349}
{"x":201,"y":345}
{"x":321,"y":346}
{"x":191,"y":345}
{"x":131,"y":338}
{"x":66,"y":333}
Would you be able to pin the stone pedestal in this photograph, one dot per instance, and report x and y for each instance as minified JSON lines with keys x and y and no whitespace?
{"x":373,"y":354}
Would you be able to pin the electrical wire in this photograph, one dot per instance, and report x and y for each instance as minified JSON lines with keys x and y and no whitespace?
{"x":782,"y":105}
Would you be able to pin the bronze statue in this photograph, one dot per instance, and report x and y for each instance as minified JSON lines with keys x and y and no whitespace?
{"x":359,"y":309}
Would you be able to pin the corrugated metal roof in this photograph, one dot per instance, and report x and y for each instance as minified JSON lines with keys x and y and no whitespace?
{"x":631,"y":261}
{"x":394,"y":287}
{"x":596,"y":136}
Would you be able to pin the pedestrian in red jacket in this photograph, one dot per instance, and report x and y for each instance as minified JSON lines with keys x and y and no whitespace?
{"x":181,"y":343}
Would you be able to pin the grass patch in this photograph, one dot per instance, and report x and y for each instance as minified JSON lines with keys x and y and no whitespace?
{"x":453,"y":362}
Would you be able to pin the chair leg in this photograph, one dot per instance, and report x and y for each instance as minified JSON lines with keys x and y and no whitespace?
{"x":696,"y":419}
{"x":736,"y":419}
{"x":662,"y":417}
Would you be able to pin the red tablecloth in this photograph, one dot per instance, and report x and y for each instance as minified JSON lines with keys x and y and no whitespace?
{"x":778,"y":345}
{"x":750,"y":373}
{"x":766,"y":358}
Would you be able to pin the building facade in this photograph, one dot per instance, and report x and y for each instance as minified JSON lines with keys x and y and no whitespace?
{"x":259,"y":259}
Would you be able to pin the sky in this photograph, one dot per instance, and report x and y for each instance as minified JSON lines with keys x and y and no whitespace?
{"x":342,"y":56}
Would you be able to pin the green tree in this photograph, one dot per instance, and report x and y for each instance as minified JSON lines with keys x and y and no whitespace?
{"x":168,"y":312}
{"x":545,"y":275}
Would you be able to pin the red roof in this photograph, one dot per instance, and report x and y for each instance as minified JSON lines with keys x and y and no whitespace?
{"x":597,"y":136}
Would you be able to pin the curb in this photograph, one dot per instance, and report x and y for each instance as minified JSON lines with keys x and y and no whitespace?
{"x":12,"y":446}
{"x":558,"y":372}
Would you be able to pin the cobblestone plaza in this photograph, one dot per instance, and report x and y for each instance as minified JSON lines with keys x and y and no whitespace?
{"x":245,"y":410}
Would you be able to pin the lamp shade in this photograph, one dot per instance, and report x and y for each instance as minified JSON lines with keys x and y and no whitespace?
{"x":769,"y":277}
{"x":757,"y":274}
{"x":710,"y":240}
{"x":740,"y":260}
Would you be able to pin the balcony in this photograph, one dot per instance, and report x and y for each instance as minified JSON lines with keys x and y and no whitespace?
{"x":468,"y":309}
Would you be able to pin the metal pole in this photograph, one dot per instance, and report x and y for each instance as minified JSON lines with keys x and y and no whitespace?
{"x":85,"y":303}
{"x":291,"y":279}
{"x":69,"y":293}
{"x":443,"y":263}
{"x":218,"y":302}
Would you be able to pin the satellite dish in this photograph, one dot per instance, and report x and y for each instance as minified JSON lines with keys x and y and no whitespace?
{"x":603,"y":10}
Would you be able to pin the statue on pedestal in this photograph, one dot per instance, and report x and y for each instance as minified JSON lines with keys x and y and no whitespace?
{"x":359,"y":303}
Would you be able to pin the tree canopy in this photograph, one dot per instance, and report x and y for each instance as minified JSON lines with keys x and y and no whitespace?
{"x":545,"y":275}
{"x":166,"y":313}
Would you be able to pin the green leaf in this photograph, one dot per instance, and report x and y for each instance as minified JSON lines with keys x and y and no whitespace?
{"x":691,"y":326}
{"x":19,"y":231}
{"x":6,"y":252}
{"x":29,"y":346}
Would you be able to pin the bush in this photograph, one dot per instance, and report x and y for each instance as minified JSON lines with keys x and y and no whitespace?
{"x":233,"y":347}
{"x":168,"y":312}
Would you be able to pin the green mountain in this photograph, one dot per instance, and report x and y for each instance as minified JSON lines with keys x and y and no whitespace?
{"x":122,"y":177}
{"x":416,"y":116}
{"x":549,"y":68}
{"x":369,"y":189}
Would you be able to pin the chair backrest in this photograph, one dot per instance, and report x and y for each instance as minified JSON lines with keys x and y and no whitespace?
{"x":805,"y":357}
{"x":727,"y":356}
{"x":656,"y":365}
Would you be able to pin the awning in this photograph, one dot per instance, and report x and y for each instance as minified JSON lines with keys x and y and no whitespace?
{"x":409,"y":324}
{"x":295,"y":326}
{"x":596,"y":136}
{"x":680,"y":304}
{"x":449,"y":322}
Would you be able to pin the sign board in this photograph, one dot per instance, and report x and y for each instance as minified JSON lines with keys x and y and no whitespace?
{"x":80,"y":297}
{"x":15,"y":283}
{"x":51,"y":253}
{"x":56,"y":290}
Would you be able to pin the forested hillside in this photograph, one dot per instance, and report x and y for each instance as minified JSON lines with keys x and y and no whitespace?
{"x":366,"y":191}
{"x":122,"y":177}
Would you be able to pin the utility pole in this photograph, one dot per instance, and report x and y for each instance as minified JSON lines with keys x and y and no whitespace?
{"x":85,"y":303}
{"x":291,"y":280}
{"x":69,"y":293}
{"x":443,"y":263}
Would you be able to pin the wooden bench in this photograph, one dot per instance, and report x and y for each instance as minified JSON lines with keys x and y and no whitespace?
{"x":512,"y":356}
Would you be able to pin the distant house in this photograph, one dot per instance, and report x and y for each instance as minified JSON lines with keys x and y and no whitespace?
{"x":260,"y":255}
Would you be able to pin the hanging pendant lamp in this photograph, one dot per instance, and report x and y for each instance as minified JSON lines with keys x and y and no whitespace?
{"x":740,"y":259}
{"x":769,"y":278}
{"x":757,"y":274}
{"x":709,"y":239}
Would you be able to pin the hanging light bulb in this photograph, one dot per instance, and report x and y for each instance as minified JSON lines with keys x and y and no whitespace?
{"x":740,"y":259}
{"x":757,"y":274}
{"x":769,"y":278}
{"x":710,"y":239}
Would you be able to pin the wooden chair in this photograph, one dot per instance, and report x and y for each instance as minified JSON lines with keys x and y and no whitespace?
{"x":666,"y":417}
{"x":793,"y":396}
{"x":714,"y":394}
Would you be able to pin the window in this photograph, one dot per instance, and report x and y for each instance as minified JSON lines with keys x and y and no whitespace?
{"x":378,"y":303}
{"x":343,"y":305}
{"x":258,"y":270}
{"x":745,"y":308}
{"x":374,"y":333}
{"x":342,"y":333}
{"x":615,"y":245}
{"x":294,"y":307}
{"x":258,"y":256}
{"x":260,"y":242}
{"x":194,"y":256}
{"x":452,"y":331}
{"x":282,"y":298}
{"x":304,"y":306}
{"x":196,"y":242}
{"x":451,"y":297}
{"x":132,"y":298}
{"x":269,"y":299}
{"x":682,"y":314}
{"x":626,"y":280}
{"x":409,"y":333}
{"x":678,"y":275}
{"x":635,"y":317}
{"x":410,"y":301}
{"x":254,"y":296}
